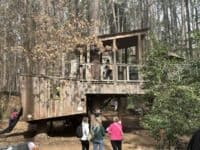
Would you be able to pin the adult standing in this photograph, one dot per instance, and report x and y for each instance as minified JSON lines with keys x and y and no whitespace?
{"x":85,"y":136}
{"x":98,"y":135}
{"x":115,"y":133}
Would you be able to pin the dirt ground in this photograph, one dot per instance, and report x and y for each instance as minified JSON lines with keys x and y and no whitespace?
{"x":135,"y":138}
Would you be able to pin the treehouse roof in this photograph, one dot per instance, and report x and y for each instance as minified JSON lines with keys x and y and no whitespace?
{"x":123,"y":39}
{"x":123,"y":34}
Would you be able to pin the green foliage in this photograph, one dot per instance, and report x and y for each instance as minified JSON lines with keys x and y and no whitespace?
{"x":174,"y":110}
{"x":196,"y":36}
{"x":175,"y":88}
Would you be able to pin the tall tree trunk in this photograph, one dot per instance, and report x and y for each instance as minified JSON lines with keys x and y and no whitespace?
{"x":166,"y":21}
{"x":113,"y":20}
{"x":145,"y":12}
{"x":183,"y":29}
{"x":197,"y":18}
{"x":188,"y":28}
{"x":93,"y":16}
{"x":174,"y":29}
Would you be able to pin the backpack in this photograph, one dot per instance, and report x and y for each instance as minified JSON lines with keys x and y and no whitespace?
{"x":79,"y":131}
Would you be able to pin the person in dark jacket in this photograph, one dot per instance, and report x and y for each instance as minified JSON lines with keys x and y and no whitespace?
{"x":13,"y":119}
{"x":98,"y":135}
{"x":13,"y":116}
{"x":194,"y":143}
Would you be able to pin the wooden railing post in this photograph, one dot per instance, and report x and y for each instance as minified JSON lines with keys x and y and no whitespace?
{"x":115,"y":74}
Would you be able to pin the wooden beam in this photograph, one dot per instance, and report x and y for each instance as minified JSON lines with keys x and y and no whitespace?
{"x":139,"y":49}
{"x":122,"y":36}
{"x":114,"y":61}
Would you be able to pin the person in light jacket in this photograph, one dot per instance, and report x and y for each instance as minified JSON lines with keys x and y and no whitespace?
{"x":85,"y":137}
{"x":24,"y":146}
{"x":115,"y":133}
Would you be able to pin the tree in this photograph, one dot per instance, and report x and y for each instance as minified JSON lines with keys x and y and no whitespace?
{"x":173,"y":84}
{"x":188,"y":28}
{"x":23,"y":21}
{"x":93,"y":16}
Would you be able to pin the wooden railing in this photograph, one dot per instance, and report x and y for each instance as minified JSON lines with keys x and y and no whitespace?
{"x":107,"y":72}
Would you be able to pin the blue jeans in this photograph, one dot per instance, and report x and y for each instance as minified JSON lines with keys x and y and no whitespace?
{"x":98,"y":145}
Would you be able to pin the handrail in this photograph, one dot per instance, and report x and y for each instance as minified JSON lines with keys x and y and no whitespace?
{"x":95,"y":72}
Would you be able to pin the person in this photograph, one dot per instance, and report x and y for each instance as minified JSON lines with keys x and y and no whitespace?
{"x":13,"y":117}
{"x":115,"y":105}
{"x":97,"y":112}
{"x":107,"y":71}
{"x":98,"y":135}
{"x":32,"y":146}
{"x":85,"y":136}
{"x":24,"y":146}
{"x":194,"y":143}
{"x":115,"y":133}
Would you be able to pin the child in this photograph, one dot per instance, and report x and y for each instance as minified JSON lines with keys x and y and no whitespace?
{"x":13,"y":116}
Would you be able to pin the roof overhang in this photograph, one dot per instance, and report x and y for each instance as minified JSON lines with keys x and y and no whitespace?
{"x":123,"y":34}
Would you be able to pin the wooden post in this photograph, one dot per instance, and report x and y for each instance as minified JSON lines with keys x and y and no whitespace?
{"x":115,"y":74}
{"x":88,"y":54}
{"x":26,"y":96}
{"x":128,"y":77}
{"x":81,"y":64}
{"x":139,"y":50}
{"x":88,"y":67}
{"x":63,"y":64}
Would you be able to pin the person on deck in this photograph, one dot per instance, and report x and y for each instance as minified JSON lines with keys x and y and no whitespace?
{"x":107,"y":71}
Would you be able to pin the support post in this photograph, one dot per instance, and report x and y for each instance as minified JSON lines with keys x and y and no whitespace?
{"x":115,"y":74}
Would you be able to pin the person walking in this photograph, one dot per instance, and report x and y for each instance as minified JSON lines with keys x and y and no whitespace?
{"x":98,"y":135}
{"x":85,"y":134}
{"x":115,"y":133}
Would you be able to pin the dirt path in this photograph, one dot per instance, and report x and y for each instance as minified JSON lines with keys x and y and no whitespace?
{"x":131,"y":142}
{"x":134,"y":140}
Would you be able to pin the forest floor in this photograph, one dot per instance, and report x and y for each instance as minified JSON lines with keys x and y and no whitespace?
{"x":135,"y":138}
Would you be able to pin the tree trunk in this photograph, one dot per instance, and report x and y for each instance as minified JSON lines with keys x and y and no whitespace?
{"x":166,"y":21}
{"x":93,"y":16}
{"x":189,"y":40}
{"x":113,"y":18}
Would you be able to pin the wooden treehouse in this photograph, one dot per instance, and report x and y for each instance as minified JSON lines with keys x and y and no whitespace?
{"x":93,"y":74}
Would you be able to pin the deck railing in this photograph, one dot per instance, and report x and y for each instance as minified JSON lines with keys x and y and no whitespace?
{"x":107,"y":72}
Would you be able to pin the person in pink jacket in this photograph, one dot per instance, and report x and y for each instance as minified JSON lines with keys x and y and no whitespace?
{"x":115,"y":133}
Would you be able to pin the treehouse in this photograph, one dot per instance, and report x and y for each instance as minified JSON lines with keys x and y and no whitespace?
{"x":91,"y":75}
